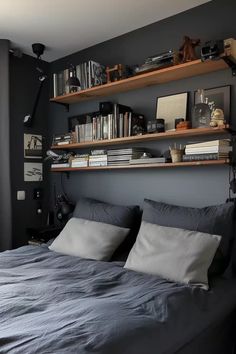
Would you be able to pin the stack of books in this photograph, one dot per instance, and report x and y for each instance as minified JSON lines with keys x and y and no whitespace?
{"x":63,"y":163}
{"x":63,"y":139}
{"x":123,"y":156}
{"x":80,"y":160}
{"x":208,"y":150}
{"x":148,"y":160}
{"x":98,"y":158}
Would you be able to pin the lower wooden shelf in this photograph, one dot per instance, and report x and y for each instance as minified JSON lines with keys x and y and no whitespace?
{"x":143,"y":166}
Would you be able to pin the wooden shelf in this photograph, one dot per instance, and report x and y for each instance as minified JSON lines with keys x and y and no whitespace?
{"x":144,"y":166}
{"x":172,"y":73}
{"x":147,"y":137}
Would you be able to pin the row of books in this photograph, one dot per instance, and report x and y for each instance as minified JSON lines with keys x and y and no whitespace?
{"x":109,"y":127}
{"x":208,"y":150}
{"x":89,"y":74}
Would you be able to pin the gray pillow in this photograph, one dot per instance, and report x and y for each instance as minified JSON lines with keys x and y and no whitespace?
{"x":216,"y":220}
{"x":123,"y":216}
{"x":89,"y":239}
{"x":175,"y":254}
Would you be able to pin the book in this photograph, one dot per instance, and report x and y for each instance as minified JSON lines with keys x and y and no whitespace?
{"x":98,"y":152}
{"x":128,"y":151}
{"x":98,"y":158}
{"x":97,"y":163}
{"x":208,"y":149}
{"x":147,"y":160}
{"x":203,"y":157}
{"x":219,"y":142}
{"x":60,"y":165}
{"x":79,"y":164}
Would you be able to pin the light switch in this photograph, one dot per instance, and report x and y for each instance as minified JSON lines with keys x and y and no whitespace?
{"x":20,"y":195}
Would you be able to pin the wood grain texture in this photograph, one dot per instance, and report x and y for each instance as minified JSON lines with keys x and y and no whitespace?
{"x":144,"y":166}
{"x":147,"y":137}
{"x":172,"y":73}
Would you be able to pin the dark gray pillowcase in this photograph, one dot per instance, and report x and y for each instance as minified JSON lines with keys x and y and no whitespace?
{"x":217,"y":220}
{"x":123,"y":216}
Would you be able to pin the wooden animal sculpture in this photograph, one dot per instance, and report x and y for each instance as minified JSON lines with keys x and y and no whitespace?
{"x":187,"y":50}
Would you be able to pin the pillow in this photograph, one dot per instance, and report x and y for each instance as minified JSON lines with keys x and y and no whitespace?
{"x":213,"y":220}
{"x":123,"y":216}
{"x":89,"y":239}
{"x":175,"y":254}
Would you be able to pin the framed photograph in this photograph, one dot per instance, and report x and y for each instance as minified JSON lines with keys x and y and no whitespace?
{"x":33,"y":172}
{"x":32,"y":146}
{"x":172,"y":107}
{"x":218,"y":97}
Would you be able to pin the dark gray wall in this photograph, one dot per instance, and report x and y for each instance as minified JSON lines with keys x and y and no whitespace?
{"x":24,"y":84}
{"x":5,"y":189}
{"x":194,"y":186}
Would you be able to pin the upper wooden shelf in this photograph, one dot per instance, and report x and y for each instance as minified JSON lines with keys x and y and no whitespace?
{"x":172,"y":73}
{"x":146,"y":137}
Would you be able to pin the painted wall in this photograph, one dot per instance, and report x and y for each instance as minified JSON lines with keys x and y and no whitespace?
{"x":196,"y":186}
{"x":23,"y":88}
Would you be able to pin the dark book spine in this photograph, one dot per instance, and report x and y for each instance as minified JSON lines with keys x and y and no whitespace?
{"x":201,"y":157}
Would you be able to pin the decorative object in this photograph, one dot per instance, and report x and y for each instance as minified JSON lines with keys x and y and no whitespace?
{"x":201,"y":115}
{"x":115,"y":73}
{"x":187,"y":50}
{"x":217,"y":118}
{"x":160,"y":125}
{"x":183,"y":125}
{"x":171,"y":107}
{"x":218,"y":98}
{"x":32,"y":146}
{"x":158,"y":61}
{"x":33,"y":172}
{"x":73,"y":81}
{"x":177,"y":121}
{"x":176,"y":153}
{"x":212,"y":50}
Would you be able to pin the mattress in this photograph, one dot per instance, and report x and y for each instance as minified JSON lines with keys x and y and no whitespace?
{"x":52,"y":303}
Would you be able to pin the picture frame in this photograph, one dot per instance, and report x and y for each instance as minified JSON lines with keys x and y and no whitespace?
{"x":33,"y":172}
{"x":172,"y":107}
{"x":218,"y":97}
{"x":33,"y":146}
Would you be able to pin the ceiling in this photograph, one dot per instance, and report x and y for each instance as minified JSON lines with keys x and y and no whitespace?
{"x":68,"y":26}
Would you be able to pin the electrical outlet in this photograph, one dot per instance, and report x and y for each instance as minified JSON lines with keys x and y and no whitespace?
{"x":38,"y":193}
{"x":20,"y":195}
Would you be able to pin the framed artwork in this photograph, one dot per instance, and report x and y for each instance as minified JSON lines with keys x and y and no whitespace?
{"x":172,"y":107}
{"x":33,"y":172}
{"x":32,"y":146}
{"x":218,"y":97}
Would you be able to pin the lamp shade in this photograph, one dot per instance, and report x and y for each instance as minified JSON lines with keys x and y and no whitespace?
{"x":73,"y":81}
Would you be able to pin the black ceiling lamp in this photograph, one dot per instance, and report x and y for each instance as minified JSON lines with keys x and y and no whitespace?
{"x":73,"y":81}
{"x":38,"y":50}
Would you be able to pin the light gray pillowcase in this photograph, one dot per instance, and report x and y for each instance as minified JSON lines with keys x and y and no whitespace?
{"x":89,"y":239}
{"x":175,"y":254}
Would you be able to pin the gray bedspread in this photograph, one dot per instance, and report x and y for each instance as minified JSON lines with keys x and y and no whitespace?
{"x":51,"y":303}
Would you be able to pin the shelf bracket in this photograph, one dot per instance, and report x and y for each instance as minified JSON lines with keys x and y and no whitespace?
{"x":231,"y":63}
{"x":66,"y":105}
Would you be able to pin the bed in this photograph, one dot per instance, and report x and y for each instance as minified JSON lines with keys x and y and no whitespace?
{"x":56,"y":303}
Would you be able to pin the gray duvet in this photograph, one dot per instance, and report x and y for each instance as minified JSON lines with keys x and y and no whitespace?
{"x":51,"y":303}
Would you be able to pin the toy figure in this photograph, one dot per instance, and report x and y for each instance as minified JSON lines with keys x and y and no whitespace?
{"x":187,"y":50}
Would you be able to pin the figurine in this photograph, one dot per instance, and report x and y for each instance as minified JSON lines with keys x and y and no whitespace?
{"x":187,"y":50}
{"x":217,"y":118}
